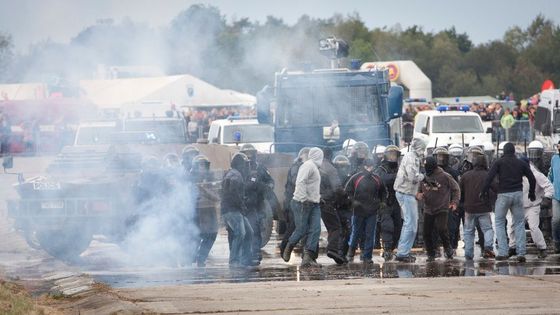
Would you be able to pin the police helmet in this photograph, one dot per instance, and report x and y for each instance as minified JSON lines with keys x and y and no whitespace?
{"x":249,"y":150}
{"x":188,"y":153}
{"x":171,"y":160}
{"x":391,"y":154}
{"x":473,"y":152}
{"x":360,"y":150}
{"x":200,"y":162}
{"x":455,"y":150}
{"x":442,"y":156}
{"x":379,"y":150}
{"x":501,"y":148}
{"x":348,"y":146}
{"x":535,"y":151}
{"x":476,"y":143}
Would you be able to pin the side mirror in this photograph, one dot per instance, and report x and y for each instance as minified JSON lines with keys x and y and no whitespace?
{"x":425,"y":130}
{"x":395,"y":102}
{"x":264,"y":98}
{"x":8,"y":162}
{"x":489,"y":130}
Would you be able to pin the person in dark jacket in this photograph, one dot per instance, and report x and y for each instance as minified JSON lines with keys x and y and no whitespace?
{"x":234,"y":211}
{"x":289,"y":189}
{"x":477,"y":209}
{"x":510,"y":171}
{"x":343,"y":205}
{"x":206,"y":216}
{"x":440,"y":193}
{"x":257,"y":185}
{"x":330,"y":187}
{"x":390,"y":220}
{"x":366,"y":190}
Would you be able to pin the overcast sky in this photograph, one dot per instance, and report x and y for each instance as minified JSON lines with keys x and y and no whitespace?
{"x":30,"y":21}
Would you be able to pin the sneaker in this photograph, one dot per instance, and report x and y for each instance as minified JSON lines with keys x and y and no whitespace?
{"x":501,"y":258}
{"x":406,"y":259}
{"x":542,"y":254}
{"x":521,"y":259}
{"x":512,"y":252}
{"x":431,"y":258}
{"x":488,"y":254}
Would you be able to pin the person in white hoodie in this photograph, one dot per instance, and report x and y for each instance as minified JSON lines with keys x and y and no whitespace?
{"x":544,"y":191}
{"x":406,"y":187}
{"x":306,"y":210}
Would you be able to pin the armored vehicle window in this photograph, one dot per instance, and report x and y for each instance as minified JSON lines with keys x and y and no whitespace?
{"x":457,"y":124}
{"x":323,"y":104}
{"x":166,"y":131}
{"x":95,"y":135}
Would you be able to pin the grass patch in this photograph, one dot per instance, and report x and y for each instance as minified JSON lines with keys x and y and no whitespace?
{"x":15,"y":300}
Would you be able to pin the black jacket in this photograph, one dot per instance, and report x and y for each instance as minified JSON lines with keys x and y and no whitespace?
{"x":233,"y":192}
{"x":510,"y":171}
{"x":366,"y":191}
{"x":330,"y":182}
{"x":388,"y":173}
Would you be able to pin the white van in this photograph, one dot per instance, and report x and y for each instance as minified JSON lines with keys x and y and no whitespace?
{"x":236,"y":131}
{"x":450,"y":124}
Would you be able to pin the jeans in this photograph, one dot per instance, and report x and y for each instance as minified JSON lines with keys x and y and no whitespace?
{"x":363,"y":228}
{"x":307,"y":217}
{"x":485,"y":222}
{"x":256,"y":223}
{"x":454,"y":226}
{"x":206,"y":241}
{"x":409,"y":207}
{"x":510,"y":201}
{"x":556,"y":223}
{"x":241,"y":237}
{"x":437,"y":222}
{"x":532,"y":216}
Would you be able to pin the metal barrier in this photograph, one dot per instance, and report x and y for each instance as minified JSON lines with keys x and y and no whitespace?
{"x":520,"y":132}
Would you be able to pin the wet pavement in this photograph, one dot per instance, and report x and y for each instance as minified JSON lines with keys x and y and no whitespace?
{"x":102,"y":263}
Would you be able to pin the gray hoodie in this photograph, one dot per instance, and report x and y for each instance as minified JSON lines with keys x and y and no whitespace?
{"x":308,"y":181}
{"x":409,"y":176}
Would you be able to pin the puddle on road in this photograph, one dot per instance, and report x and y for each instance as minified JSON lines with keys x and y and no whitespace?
{"x":454,"y":268}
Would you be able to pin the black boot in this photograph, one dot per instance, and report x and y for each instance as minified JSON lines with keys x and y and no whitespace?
{"x":309,"y":260}
{"x":336,"y":257}
{"x":287,"y":252}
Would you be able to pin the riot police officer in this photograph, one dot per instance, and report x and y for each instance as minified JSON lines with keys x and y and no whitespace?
{"x":455,"y":156}
{"x":472,"y":153}
{"x":535,"y":152}
{"x":257,"y":185}
{"x":206,"y":216}
{"x":187,"y":155}
{"x":390,"y":220}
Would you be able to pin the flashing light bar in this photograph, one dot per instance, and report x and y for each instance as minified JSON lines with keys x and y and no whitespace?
{"x":445,"y":108}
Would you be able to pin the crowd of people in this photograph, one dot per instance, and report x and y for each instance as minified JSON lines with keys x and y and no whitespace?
{"x":199,"y":120}
{"x":359,"y":193}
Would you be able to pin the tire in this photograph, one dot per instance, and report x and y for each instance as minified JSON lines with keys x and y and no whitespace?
{"x":66,"y":245}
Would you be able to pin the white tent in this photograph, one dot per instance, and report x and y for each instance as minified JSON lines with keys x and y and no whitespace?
{"x":23,"y":91}
{"x":180,"y":90}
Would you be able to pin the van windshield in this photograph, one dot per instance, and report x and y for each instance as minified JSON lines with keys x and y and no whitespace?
{"x":248,"y":134}
{"x":457,"y":124}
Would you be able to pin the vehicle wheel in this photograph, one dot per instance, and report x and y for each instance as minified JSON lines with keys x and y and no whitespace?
{"x":267,"y":222}
{"x":64,"y":245}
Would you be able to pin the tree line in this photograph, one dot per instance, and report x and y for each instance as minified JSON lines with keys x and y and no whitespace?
{"x":243,"y":55}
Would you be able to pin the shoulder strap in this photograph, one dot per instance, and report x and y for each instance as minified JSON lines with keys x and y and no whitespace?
{"x":357,"y":182}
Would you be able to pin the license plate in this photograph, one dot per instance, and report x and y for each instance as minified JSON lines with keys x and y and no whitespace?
{"x":46,"y":186}
{"x":52,"y":204}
